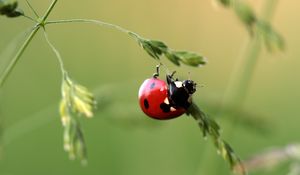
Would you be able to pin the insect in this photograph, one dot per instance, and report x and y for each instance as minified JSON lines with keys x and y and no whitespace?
{"x":165,"y":100}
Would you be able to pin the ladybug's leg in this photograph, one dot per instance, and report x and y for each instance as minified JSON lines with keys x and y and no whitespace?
{"x":170,"y":78}
{"x":155,"y":75}
{"x":167,"y":106}
{"x":173,"y":73}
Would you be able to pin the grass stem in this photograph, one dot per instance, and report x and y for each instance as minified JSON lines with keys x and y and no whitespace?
{"x":32,"y":9}
{"x":58,"y":55}
{"x":30,"y":18}
{"x":242,"y":75}
{"x":92,"y":21}
{"x":243,"y":71}
{"x":44,"y":18}
{"x":18,"y":55}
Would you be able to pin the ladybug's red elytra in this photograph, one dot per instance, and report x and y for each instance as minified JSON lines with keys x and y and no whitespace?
{"x":161,"y":100}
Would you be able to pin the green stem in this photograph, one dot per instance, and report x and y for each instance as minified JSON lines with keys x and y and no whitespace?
{"x":241,"y":77}
{"x":32,"y":9}
{"x":14,"y":61}
{"x":30,"y":18}
{"x":243,"y":72}
{"x":44,"y":18}
{"x":58,"y":55}
{"x":97,"y":22}
{"x":2,"y":126}
{"x":16,"y":58}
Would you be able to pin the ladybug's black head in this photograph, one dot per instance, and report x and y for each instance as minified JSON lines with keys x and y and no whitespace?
{"x":189,"y":86}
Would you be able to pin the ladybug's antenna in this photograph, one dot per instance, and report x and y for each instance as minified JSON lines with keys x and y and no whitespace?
{"x":155,"y":75}
{"x":173,"y":73}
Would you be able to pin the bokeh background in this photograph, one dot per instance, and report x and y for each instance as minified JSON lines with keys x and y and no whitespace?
{"x":121,"y":140}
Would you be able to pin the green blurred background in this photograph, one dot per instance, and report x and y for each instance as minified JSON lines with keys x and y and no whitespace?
{"x":121,"y":140}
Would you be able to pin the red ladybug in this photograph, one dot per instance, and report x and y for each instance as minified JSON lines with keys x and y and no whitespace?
{"x":161,"y":100}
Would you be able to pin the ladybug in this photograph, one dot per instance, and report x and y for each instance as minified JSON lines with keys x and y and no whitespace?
{"x":165,"y":100}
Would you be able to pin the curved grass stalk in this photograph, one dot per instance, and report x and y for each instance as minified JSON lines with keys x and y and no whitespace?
{"x":154,"y":48}
{"x":97,"y":22}
{"x":76,"y":99}
{"x":58,"y":55}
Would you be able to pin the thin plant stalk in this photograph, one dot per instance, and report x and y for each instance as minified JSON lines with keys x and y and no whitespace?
{"x":44,"y":18}
{"x":20,"y":52}
{"x":243,"y":71}
{"x":58,"y":55}
{"x":1,"y":127}
{"x":97,"y":22}
{"x":242,"y":75}
{"x":32,"y":9}
{"x":23,"y":47}
{"x":30,"y":18}
{"x":18,"y":55}
{"x":92,"y":21}
{"x":241,"y":79}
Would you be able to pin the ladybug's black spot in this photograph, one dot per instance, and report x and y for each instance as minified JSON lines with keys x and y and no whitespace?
{"x":146,"y":103}
{"x":152,"y":85}
{"x":165,"y":107}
